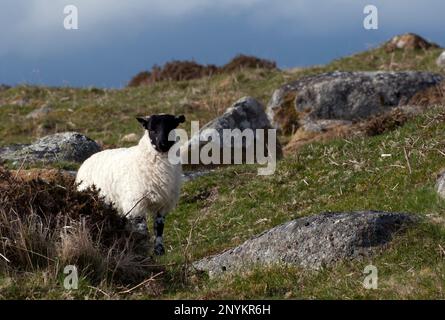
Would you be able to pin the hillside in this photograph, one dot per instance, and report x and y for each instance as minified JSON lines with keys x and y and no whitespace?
{"x":229,"y":205}
{"x":108,"y":115}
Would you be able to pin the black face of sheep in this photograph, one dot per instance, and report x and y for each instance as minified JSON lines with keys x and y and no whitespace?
{"x":159,"y":127}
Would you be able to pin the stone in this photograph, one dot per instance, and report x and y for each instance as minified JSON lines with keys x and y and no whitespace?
{"x":246,"y":113}
{"x":408,"y":41}
{"x":40,"y":112}
{"x":311,"y":242}
{"x":441,"y":60}
{"x":440,"y":184}
{"x":320,"y":126}
{"x":131,"y":137}
{"x":66,"y":146}
{"x":347,"y":96}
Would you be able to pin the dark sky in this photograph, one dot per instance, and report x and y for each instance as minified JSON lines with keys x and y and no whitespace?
{"x":116,"y":39}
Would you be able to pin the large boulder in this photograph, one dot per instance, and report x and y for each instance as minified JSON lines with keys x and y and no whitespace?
{"x":312,"y":242}
{"x":313,"y":130}
{"x":441,"y":60}
{"x":344,"y":96}
{"x":246,"y":113}
{"x":66,"y":146}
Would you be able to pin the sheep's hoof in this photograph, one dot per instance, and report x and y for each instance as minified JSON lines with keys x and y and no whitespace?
{"x":159,"y":249}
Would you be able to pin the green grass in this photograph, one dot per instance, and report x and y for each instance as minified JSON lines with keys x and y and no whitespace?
{"x":107,"y":115}
{"x":341,"y":176}
{"x":224,"y":208}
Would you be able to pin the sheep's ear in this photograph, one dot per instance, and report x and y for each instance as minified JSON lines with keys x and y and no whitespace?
{"x":181,"y":119}
{"x":145,"y":122}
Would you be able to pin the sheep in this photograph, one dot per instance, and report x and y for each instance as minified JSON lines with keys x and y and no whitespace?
{"x":140,"y":179}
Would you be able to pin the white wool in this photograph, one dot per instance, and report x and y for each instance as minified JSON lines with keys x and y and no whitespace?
{"x":136,"y":180}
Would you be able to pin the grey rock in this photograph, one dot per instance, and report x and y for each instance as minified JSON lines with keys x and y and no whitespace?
{"x":312,"y":242}
{"x":441,"y":60}
{"x":67,"y":146}
{"x":192,"y":175}
{"x":408,"y":41}
{"x":319,"y":126}
{"x":246,"y":113}
{"x":40,"y":112}
{"x":440,"y":185}
{"x":347,"y":95}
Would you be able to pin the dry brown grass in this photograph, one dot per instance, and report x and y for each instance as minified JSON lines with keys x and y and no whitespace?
{"x":188,"y":70}
{"x":242,"y":62}
{"x":47,"y":175}
{"x":378,"y":124}
{"x":142,"y":78}
{"x":430,"y":96}
{"x":382,"y":123}
{"x":303,"y":137}
{"x":173,"y":71}
{"x":49,"y":224}
{"x":287,"y":116}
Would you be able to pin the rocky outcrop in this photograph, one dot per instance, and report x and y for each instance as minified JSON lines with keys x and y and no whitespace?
{"x":246,"y":113}
{"x":441,"y":60}
{"x":312,"y":242}
{"x":408,"y":41}
{"x":67,"y":146}
{"x":344,"y":96}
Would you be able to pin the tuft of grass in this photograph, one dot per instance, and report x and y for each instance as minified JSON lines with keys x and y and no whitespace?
{"x":46,"y":225}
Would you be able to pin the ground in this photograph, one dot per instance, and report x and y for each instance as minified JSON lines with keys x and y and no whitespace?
{"x":227,"y":206}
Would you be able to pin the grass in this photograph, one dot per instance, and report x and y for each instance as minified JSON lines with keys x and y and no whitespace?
{"x":47,"y":225}
{"x":341,"y":176}
{"x":226,"y":207}
{"x":108,"y":115}
{"x":229,"y":205}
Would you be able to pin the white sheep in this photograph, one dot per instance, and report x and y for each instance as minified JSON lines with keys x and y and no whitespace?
{"x":139,"y":179}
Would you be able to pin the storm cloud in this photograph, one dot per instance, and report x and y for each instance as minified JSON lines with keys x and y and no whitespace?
{"x":119,"y":38}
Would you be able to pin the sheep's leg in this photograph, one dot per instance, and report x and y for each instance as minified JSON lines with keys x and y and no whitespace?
{"x":158,"y":231}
